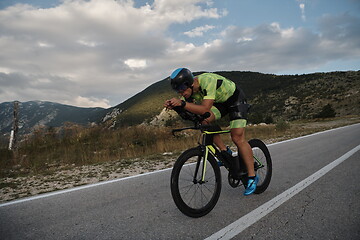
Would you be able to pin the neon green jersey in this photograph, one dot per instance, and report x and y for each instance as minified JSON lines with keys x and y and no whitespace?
{"x":215,"y":87}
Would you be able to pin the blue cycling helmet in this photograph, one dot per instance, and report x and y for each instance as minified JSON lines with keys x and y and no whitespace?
{"x":181,"y":79}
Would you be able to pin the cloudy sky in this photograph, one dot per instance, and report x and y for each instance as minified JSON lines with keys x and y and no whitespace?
{"x":98,"y":53}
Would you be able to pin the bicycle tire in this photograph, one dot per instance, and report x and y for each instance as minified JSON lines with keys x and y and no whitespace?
{"x":264,"y":172}
{"x":195,"y":198}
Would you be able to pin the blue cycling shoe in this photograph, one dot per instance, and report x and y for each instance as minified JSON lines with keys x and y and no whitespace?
{"x":251,"y":186}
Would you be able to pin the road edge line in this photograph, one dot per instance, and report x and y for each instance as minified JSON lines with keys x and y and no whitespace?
{"x":249,"y":219}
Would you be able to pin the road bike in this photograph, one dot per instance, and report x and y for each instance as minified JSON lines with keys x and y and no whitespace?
{"x":196,"y":176}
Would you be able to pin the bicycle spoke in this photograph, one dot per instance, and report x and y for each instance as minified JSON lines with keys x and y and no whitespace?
{"x":186,"y":186}
{"x":191,"y":186}
{"x":190,"y":200}
{"x":199,"y":200}
{"x":211,"y":191}
{"x":204,"y":195}
{"x":197,"y":194}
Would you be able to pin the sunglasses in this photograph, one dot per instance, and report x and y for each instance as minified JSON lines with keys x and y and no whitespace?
{"x":181,"y":88}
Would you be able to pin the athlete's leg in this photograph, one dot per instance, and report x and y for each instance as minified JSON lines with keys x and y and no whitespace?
{"x":217,"y":139}
{"x":219,"y":143}
{"x":238,"y":137}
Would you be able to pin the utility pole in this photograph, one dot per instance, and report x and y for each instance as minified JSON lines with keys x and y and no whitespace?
{"x":15,"y":127}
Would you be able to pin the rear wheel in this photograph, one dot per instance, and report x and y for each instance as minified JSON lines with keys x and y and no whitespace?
{"x":262,"y":164}
{"x":193,"y":194}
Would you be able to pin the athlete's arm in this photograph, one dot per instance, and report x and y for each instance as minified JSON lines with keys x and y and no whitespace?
{"x":204,"y":107}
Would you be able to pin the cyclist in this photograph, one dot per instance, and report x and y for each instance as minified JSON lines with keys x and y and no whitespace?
{"x":210,"y":92}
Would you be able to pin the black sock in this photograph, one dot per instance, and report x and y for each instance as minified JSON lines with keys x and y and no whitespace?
{"x":252,"y":177}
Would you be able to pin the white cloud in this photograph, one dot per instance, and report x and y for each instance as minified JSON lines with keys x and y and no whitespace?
{"x":88,"y":43}
{"x":82,"y":41}
{"x":302,"y":8}
{"x":199,"y":31}
{"x":135,"y":63}
{"x":183,"y":11}
{"x":44,"y":44}
{"x":244,"y":39}
{"x":86,"y":52}
{"x":273,"y":48}
{"x":213,"y":44}
{"x":287,"y":33}
{"x":180,"y":47}
{"x":5,"y":70}
{"x":88,"y":102}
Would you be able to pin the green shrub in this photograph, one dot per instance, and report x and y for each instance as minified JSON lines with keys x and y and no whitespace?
{"x":282,"y":125}
{"x":326,"y":112}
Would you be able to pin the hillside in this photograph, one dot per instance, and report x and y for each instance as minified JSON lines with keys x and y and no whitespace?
{"x":39,"y":113}
{"x":272,"y":96}
{"x":142,"y":106}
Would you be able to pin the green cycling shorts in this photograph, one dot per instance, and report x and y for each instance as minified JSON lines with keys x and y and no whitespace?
{"x":237,"y":123}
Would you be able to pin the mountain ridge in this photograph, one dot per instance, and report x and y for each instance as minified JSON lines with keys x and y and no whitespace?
{"x":289,"y":97}
{"x":32,"y":114}
{"x":272,"y":96}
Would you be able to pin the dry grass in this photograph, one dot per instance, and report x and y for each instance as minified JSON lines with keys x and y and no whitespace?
{"x":83,"y":146}
{"x":48,"y":162}
{"x":79,"y":146}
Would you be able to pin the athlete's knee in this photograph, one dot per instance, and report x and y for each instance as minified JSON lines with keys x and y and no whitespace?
{"x":238,"y":137}
{"x":238,"y":140}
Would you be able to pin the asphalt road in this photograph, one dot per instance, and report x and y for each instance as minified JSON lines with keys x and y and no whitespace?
{"x":142,"y":208}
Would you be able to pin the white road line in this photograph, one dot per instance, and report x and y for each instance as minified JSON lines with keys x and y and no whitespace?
{"x":313,"y":134}
{"x":135,"y":176}
{"x":246,"y":221}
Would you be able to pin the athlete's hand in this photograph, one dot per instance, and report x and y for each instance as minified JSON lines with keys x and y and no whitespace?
{"x":167,"y":104}
{"x":174,"y":102}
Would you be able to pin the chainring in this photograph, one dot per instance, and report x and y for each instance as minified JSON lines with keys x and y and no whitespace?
{"x":232,"y":181}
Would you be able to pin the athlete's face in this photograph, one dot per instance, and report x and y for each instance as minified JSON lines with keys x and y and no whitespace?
{"x":186,"y":93}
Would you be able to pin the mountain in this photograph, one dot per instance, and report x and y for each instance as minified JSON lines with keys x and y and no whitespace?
{"x":142,"y":106}
{"x":40,"y":113}
{"x":272,"y":96}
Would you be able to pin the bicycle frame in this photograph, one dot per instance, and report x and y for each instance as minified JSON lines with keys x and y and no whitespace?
{"x":207,"y":146}
{"x":207,"y":143}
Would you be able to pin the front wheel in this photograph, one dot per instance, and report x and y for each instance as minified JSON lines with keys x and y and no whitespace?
{"x":194,"y":194}
{"x":262,"y":164}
